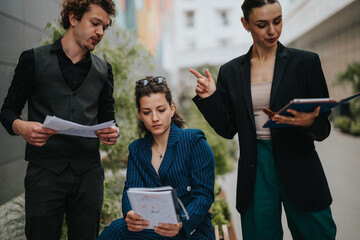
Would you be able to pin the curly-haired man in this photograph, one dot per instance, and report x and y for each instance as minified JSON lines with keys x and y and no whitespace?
{"x":64,"y":173}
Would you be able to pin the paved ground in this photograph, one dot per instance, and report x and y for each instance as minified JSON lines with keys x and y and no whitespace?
{"x":340,"y":156}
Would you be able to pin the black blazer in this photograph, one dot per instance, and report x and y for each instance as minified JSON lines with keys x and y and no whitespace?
{"x":297,"y":74}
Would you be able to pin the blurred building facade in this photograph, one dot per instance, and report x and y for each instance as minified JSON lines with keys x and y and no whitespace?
{"x":204,"y":32}
{"x":187,"y":33}
{"x":149,"y":19}
{"x":184,"y":34}
{"x":330,"y":28}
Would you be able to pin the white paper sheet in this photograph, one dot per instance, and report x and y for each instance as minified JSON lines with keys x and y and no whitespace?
{"x":71,"y":128}
{"x":155,"y":205}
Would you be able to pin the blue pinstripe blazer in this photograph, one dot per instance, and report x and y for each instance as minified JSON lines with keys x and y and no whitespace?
{"x":188,"y":166}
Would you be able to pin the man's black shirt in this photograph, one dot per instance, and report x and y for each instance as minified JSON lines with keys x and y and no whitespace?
{"x":74,"y":75}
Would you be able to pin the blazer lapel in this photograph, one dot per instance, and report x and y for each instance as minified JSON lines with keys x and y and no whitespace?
{"x":144,"y":157}
{"x":170,"y":154}
{"x":280,"y":63}
{"x":246,"y":84}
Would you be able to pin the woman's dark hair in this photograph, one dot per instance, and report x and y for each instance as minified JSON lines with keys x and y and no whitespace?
{"x":248,"y":5}
{"x":79,"y":7}
{"x":151,"y":87}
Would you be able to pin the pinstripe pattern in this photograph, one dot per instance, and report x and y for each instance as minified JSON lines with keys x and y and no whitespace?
{"x":188,"y":166}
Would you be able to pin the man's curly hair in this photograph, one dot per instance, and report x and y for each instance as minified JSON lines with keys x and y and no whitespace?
{"x":80,"y":7}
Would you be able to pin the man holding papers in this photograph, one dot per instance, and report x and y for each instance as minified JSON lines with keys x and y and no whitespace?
{"x":63,"y":79}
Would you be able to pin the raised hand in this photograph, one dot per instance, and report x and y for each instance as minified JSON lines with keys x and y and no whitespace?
{"x":205,"y":86}
{"x":33,"y":132}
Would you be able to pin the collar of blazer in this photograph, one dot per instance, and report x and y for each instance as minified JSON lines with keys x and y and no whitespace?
{"x":143,"y":155}
{"x":280,"y":63}
{"x":145,"y":143}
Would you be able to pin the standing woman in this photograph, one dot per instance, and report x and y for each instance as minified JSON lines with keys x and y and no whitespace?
{"x":166,"y":155}
{"x":277,"y":166}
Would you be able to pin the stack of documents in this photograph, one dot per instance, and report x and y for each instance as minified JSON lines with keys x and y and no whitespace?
{"x":156,"y":205}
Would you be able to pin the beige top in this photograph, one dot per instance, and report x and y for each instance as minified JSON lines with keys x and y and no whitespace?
{"x":260,"y":92}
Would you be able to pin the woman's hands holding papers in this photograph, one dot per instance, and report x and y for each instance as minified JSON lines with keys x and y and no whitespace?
{"x":168,"y":230}
{"x":136,"y":223}
{"x":299,"y":119}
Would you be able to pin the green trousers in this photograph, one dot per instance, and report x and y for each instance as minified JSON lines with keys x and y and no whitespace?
{"x":262,"y":219}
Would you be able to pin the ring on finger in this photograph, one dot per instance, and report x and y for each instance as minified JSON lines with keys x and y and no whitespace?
{"x":292,"y":119}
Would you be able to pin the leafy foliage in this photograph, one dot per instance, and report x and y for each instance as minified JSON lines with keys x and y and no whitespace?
{"x":224,"y":150}
{"x":350,"y":124}
{"x":112,"y":200}
{"x":350,"y":75}
{"x":220,"y":209}
{"x":127,"y":58}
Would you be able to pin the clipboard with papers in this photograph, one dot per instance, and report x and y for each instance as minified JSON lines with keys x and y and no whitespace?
{"x":156,"y":205}
{"x":305,"y":105}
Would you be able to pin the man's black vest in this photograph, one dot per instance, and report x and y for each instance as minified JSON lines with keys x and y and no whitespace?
{"x":52,"y":96}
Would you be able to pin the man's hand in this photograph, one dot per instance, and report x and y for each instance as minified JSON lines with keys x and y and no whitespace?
{"x":109,"y":135}
{"x":135,"y":222}
{"x":32,"y":132}
{"x":205,"y":86}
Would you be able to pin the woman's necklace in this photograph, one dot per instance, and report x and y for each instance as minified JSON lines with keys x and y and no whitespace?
{"x":160,"y":153}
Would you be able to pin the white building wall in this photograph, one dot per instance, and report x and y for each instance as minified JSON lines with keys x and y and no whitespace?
{"x":208,"y":41}
{"x":330,"y":28}
{"x":303,"y":15}
{"x":306,"y":25}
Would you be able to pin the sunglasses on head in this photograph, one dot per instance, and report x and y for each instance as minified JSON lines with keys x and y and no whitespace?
{"x":157,"y":80}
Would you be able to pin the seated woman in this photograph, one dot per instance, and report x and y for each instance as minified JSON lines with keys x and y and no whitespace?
{"x":166,"y":155}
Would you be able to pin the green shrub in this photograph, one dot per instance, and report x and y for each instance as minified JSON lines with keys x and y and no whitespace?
{"x":350,"y":124}
{"x":224,"y":150}
{"x":113,"y":188}
{"x":220,"y":209}
{"x":355,"y":127}
{"x":343,"y":123}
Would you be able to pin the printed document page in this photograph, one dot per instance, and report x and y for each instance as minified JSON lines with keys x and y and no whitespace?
{"x":71,"y":128}
{"x":154,"y":206}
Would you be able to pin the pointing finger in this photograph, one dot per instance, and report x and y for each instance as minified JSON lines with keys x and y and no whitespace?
{"x":196,"y":73}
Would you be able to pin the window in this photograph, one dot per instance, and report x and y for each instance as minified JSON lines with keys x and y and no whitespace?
{"x":190,"y":19}
{"x":224,"y":42}
{"x":190,"y":44}
{"x":223,"y":18}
